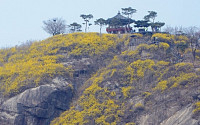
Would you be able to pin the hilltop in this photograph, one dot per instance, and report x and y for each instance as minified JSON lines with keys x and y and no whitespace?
{"x":88,"y":78}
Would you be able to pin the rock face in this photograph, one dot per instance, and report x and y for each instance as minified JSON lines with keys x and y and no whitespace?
{"x":37,"y":106}
{"x":170,"y":108}
{"x":182,"y":117}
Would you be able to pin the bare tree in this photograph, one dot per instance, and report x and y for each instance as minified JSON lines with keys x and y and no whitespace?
{"x":54,"y":26}
{"x":178,"y":30}
{"x":169,"y":29}
{"x":193,"y":33}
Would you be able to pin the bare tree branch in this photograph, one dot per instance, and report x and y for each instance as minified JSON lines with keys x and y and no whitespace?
{"x":54,"y":26}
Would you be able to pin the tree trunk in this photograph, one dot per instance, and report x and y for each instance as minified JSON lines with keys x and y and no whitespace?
{"x":100,"y":30}
{"x":194,"y":55}
{"x":85,"y":26}
{"x":152,"y":29}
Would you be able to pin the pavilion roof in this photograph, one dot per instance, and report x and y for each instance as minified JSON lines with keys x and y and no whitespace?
{"x":119,"y":20}
{"x":119,"y":16}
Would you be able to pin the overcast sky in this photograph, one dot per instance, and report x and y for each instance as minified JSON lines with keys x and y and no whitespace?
{"x":22,"y":20}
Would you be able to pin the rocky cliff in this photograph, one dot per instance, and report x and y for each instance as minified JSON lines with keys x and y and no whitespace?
{"x":36,"y":106}
{"x":85,"y":78}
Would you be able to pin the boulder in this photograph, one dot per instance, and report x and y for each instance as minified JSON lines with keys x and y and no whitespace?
{"x":36,"y":106}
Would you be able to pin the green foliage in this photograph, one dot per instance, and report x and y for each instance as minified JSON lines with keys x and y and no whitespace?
{"x":141,"y":23}
{"x":86,"y":18}
{"x":152,"y":15}
{"x":74,"y":27}
{"x":101,"y":22}
{"x":128,"y":11}
{"x":157,"y":25}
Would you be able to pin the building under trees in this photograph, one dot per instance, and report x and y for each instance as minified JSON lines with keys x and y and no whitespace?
{"x":119,"y":24}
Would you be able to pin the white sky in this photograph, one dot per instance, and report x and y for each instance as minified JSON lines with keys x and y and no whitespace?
{"x":21,"y":20}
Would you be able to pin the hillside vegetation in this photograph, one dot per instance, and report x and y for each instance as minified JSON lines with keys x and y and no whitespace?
{"x":28,"y":65}
{"x":109,"y":98}
{"x":131,"y":77}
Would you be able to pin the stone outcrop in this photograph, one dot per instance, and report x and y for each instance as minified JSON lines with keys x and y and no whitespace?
{"x":182,"y":117}
{"x":37,"y":106}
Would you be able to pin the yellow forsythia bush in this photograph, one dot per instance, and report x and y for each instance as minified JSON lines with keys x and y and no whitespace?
{"x":29,"y":64}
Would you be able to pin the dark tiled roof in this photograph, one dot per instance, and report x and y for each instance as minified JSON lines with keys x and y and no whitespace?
{"x":119,"y":20}
{"x":119,"y":16}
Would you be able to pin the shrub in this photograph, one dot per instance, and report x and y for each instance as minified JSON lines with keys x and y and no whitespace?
{"x":164,"y":46}
{"x":163,"y":37}
{"x":197,"y":108}
{"x":127,"y":91}
{"x":161,"y":86}
{"x":136,"y":70}
{"x":130,"y":123}
{"x":28,"y":66}
{"x":162,"y":63}
{"x":139,"y":107}
{"x":138,"y":35}
{"x":146,"y":94}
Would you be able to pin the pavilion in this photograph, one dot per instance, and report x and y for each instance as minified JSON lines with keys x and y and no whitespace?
{"x":119,"y":24}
